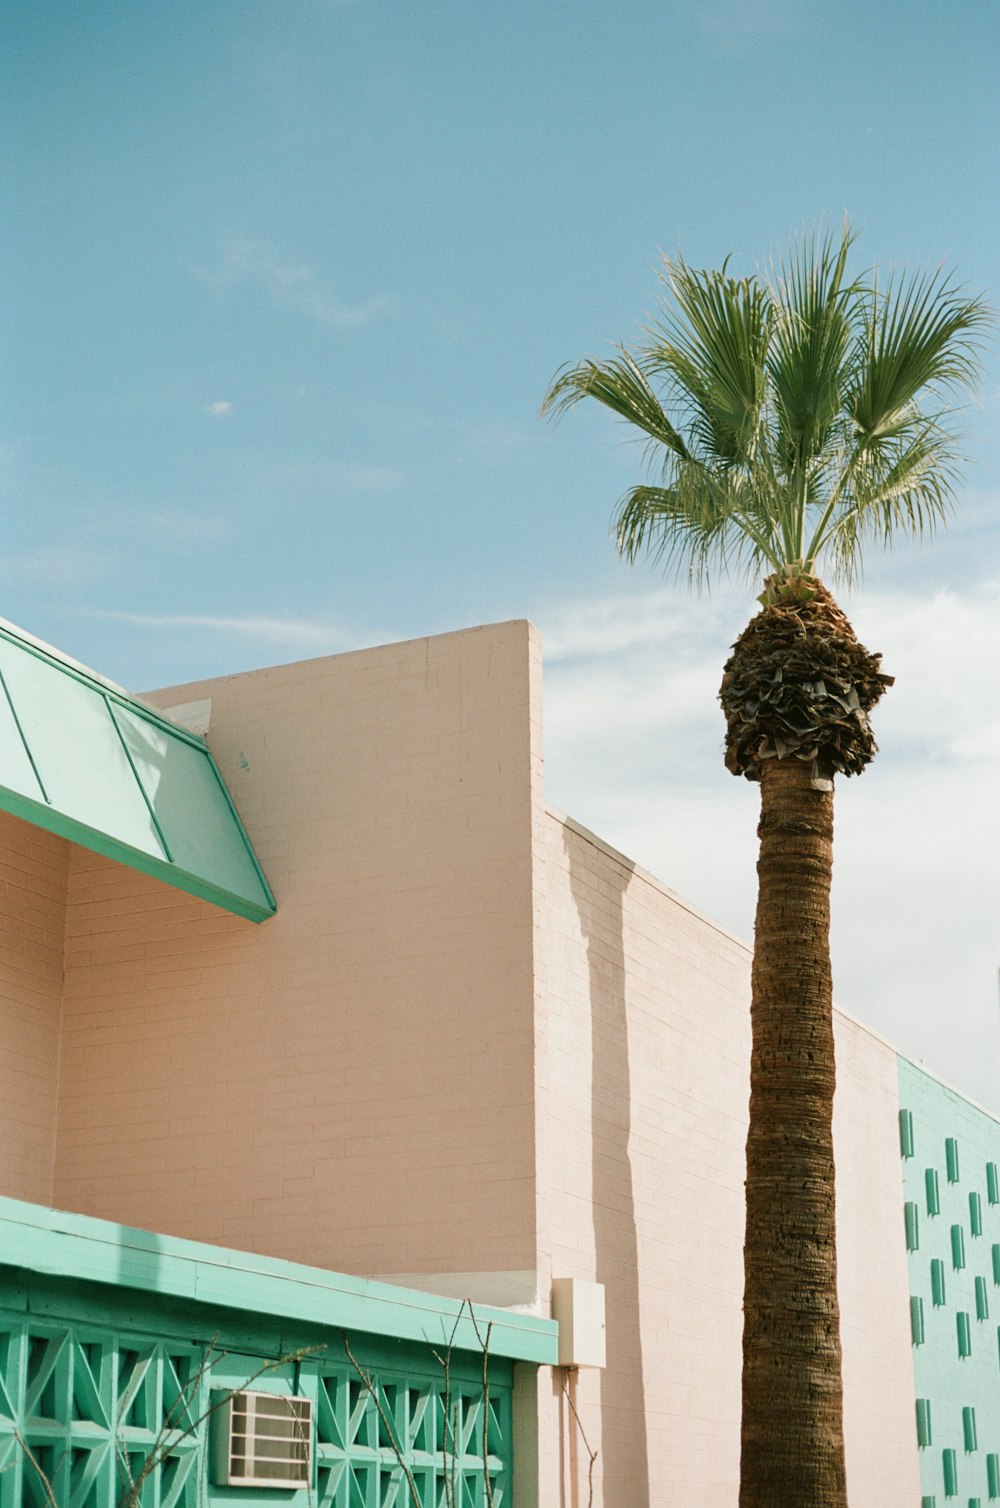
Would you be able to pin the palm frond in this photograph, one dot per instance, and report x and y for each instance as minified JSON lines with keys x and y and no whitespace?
{"x":622,"y":386}
{"x":903,"y":490}
{"x":809,"y":350}
{"x":918,"y":333}
{"x":793,"y":417}
{"x":697,"y":522}
{"x":713,"y":349}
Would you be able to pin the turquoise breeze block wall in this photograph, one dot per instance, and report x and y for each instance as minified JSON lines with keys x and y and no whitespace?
{"x":951,"y":1156}
{"x":91,"y":1377}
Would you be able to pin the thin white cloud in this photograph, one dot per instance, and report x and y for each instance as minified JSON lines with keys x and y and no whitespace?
{"x":302,"y":633}
{"x":611,"y":625}
{"x":294,"y":285}
{"x":219,"y":410}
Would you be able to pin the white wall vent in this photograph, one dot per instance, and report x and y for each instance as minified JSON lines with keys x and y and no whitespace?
{"x":263,"y":1440}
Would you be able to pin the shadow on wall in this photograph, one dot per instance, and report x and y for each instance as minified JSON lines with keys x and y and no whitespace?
{"x":624,"y":1455}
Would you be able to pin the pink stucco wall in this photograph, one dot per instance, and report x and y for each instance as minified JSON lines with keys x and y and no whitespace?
{"x":350,"y":1083}
{"x":32,"y":914}
{"x":643,"y":1088}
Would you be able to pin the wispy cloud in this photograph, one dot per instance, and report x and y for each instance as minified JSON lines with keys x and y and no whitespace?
{"x":219,"y":410}
{"x":302,"y":633}
{"x":611,"y":625}
{"x":292,"y":284}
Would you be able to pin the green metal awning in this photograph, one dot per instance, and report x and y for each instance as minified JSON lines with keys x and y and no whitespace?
{"x":83,"y":759}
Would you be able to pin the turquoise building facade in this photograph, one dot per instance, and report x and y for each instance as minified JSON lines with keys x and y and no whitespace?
{"x":951,"y":1190}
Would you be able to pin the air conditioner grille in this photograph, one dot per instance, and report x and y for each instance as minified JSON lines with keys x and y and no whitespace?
{"x":266,"y":1440}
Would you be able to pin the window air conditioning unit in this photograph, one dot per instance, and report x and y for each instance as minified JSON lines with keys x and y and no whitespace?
{"x":262,"y":1440}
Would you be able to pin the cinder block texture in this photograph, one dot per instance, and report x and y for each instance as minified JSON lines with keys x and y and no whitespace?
{"x":351,"y":1083}
{"x":33,"y":867}
{"x":643,"y":1093}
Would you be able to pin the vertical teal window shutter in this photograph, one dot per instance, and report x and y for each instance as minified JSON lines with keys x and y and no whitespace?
{"x":951,"y":1158}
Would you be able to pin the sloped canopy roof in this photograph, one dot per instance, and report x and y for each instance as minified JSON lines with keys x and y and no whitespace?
{"x":83,"y":759}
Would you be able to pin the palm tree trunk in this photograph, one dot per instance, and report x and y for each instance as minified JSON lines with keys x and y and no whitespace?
{"x":793,"y":1445}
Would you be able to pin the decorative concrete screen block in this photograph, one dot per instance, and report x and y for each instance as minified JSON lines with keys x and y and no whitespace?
{"x":262,"y":1440}
{"x":933,"y":1191}
{"x":951,"y":1157}
{"x":578,"y":1306}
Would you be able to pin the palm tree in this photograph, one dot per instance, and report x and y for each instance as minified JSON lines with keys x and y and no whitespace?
{"x":797,"y":417}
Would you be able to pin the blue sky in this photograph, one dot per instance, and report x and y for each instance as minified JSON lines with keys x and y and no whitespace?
{"x":284,"y":285}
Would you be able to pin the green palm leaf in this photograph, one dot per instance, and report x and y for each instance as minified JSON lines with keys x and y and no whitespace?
{"x":792,"y":419}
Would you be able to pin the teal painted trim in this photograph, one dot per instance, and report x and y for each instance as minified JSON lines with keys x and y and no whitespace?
{"x":83,"y":760}
{"x":161,"y":835}
{"x":969,"y":1432}
{"x":906,"y":1133}
{"x":938,"y":1292}
{"x":133,"y":858}
{"x":59,"y":1244}
{"x":911,"y":1224}
{"x":24,"y":742}
{"x":949,"y":1463}
{"x":957,"y":1248}
{"x":924,"y":1433}
{"x":975,"y":1214}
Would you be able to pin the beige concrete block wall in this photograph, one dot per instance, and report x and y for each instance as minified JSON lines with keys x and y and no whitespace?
{"x":33,"y":867}
{"x":349,"y":1084}
{"x":642,"y":1121}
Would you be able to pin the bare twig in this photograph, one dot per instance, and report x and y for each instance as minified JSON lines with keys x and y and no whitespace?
{"x":46,"y":1484}
{"x":450,"y":1417}
{"x":168,"y":1437}
{"x":372,"y":1390}
{"x":484,"y":1346}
